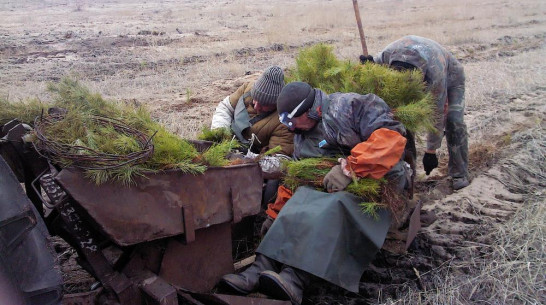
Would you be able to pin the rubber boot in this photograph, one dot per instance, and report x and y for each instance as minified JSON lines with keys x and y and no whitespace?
{"x":459,"y":183}
{"x":287,"y":285}
{"x":247,"y":281}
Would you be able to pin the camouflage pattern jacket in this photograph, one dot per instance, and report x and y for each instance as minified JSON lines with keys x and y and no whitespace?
{"x":440,"y":69}
{"x":345,"y":120}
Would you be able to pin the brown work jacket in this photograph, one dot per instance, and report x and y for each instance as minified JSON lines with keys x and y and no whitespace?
{"x":269,"y":130}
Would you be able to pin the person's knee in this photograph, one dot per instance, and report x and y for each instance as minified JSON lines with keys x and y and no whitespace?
{"x":399,"y":177}
{"x":455,"y":122}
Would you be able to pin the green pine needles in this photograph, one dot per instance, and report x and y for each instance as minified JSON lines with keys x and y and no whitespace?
{"x":404,"y":92}
{"x":371,"y":208}
{"x":311,"y":172}
{"x":217,"y":135}
{"x":216,"y":154}
{"x":308,"y":171}
{"x":84,"y":134}
{"x":319,"y":67}
{"x":24,"y":111}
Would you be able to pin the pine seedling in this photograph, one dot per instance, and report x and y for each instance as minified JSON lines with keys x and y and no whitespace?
{"x":73,"y":96}
{"x":366,"y":188}
{"x":125,"y":144}
{"x":105,"y":138}
{"x":190,"y":167}
{"x":126,"y":174}
{"x":86,"y":135}
{"x":417,"y":116}
{"x":272,"y":151}
{"x":98,"y":176}
{"x":318,"y":66}
{"x":216,"y":135}
{"x":370,"y":208}
{"x":24,"y":111}
{"x":309,"y":171}
{"x":138,"y":118}
{"x":170,"y":150}
{"x":91,"y":142}
{"x":72,"y":127}
{"x":216,"y":154}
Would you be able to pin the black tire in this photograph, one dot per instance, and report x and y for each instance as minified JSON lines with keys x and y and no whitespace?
{"x":9,"y":292}
{"x":28,"y":270}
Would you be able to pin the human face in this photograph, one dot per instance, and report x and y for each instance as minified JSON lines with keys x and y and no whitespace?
{"x":288,"y":119}
{"x":304,"y":123}
{"x":261,"y":108}
{"x":297,"y":124}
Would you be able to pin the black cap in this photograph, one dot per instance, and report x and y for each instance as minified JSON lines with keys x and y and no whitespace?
{"x":294,"y":94}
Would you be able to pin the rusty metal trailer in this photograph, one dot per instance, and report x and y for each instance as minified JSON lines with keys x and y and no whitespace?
{"x":171,"y":230}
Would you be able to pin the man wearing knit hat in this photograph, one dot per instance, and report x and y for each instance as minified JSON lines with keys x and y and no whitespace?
{"x":250,"y":113}
{"x":326,"y":234}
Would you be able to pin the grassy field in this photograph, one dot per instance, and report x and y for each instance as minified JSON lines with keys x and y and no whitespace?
{"x":180,"y":58}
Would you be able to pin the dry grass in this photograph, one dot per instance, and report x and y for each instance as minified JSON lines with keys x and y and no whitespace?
{"x":492,"y":80}
{"x":507,"y":264}
{"x":224,"y":28}
{"x":205,"y":42}
{"x":75,"y":278}
{"x":509,"y":271}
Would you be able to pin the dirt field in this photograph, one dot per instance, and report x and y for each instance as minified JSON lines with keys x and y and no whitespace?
{"x":483,"y":244}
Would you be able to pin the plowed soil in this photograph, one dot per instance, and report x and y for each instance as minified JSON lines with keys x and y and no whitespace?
{"x":180,"y":58}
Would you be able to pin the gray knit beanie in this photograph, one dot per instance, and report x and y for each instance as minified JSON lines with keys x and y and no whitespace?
{"x":268,"y":86}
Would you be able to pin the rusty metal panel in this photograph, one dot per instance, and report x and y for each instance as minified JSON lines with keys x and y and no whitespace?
{"x":199,"y":265}
{"x":239,"y":300}
{"x":84,"y":298}
{"x":158,"y":292}
{"x":224,"y":299}
{"x":146,"y":256}
{"x":414,"y":225}
{"x":153,"y":207}
{"x":8,"y":126}
{"x":186,"y":298}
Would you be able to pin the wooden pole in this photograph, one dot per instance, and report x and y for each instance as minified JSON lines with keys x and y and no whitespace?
{"x":360,"y":30}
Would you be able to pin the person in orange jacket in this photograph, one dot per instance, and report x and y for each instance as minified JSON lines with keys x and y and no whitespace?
{"x":326,"y":234}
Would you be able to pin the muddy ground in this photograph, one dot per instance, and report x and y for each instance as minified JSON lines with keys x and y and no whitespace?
{"x":180,"y":58}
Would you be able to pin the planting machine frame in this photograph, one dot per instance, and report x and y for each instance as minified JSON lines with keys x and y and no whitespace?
{"x":166,"y":239}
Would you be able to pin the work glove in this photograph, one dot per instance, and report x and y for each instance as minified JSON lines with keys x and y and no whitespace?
{"x":266,"y":225}
{"x":364,"y":59}
{"x":251,"y":156}
{"x":430,"y":162}
{"x":336,"y":180}
{"x":273,"y":164}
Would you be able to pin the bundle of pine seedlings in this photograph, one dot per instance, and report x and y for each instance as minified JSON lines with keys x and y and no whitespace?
{"x":404,"y":92}
{"x":216,"y":135}
{"x":311,"y":172}
{"x":81,"y":133}
{"x":24,"y":111}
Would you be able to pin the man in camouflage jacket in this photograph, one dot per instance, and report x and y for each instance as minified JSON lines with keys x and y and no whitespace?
{"x":445,"y":79}
{"x":326,"y":234}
